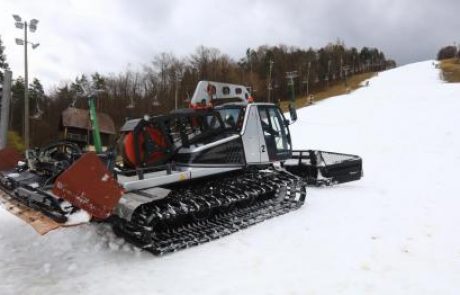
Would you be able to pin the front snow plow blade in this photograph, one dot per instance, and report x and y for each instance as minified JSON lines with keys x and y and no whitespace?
{"x":87,"y":185}
{"x":90,"y":186}
{"x":325,"y":168}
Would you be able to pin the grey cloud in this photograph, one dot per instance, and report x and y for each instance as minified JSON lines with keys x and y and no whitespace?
{"x":83,"y":36}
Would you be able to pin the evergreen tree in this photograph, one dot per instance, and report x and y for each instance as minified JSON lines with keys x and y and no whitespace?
{"x":17,"y":106}
{"x":447,"y":52}
{"x":98,"y":81}
{"x":36,"y":95}
{"x":3,"y":64}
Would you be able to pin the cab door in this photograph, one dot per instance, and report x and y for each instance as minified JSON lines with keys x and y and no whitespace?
{"x":255,"y":148}
{"x":275,"y":132}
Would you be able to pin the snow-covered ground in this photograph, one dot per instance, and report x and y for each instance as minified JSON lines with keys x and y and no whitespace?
{"x":393,"y":232}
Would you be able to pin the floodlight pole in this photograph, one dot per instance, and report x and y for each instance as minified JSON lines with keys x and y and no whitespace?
{"x":26,"y":92}
{"x":32,"y":26}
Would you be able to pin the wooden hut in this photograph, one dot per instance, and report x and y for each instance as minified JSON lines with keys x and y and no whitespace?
{"x":76,"y":126}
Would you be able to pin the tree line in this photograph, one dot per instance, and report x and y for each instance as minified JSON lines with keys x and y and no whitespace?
{"x":449,"y":51}
{"x":152,"y":89}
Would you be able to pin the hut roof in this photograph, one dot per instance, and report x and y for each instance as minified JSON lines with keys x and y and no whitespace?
{"x":79,"y":118}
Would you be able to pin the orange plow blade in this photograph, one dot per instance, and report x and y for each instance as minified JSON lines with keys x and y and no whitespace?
{"x":89,"y":185}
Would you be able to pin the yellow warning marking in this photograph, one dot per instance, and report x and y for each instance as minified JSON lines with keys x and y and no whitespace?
{"x":182,"y":176}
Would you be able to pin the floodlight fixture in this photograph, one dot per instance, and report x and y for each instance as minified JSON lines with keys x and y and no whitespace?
{"x":19,"y":41}
{"x":17,"y":18}
{"x":35,"y":45}
{"x":19,"y":25}
{"x":33,"y":25}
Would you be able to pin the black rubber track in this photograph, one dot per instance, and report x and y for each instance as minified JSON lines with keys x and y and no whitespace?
{"x":206,"y":211}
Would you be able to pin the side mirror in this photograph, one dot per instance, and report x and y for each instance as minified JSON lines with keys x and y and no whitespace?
{"x":292,"y":113}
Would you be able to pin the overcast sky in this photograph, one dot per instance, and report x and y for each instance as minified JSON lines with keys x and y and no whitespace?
{"x":84,"y":36}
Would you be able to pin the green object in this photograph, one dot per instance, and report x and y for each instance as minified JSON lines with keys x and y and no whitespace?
{"x":94,"y":125}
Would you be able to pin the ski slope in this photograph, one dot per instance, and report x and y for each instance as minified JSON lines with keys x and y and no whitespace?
{"x":393,"y":232}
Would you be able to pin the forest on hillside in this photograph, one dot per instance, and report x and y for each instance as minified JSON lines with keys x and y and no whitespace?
{"x":449,"y":51}
{"x":152,"y":90}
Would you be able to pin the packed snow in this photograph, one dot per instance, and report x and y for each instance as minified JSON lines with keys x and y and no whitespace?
{"x":79,"y":217}
{"x":393,"y":232}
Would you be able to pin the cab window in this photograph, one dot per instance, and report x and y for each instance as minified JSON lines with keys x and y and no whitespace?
{"x":232,"y":118}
